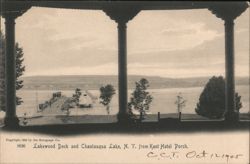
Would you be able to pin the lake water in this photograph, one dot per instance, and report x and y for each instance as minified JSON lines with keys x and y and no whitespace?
{"x":163,"y":100}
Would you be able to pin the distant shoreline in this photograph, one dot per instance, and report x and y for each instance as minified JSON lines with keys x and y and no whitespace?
{"x":72,"y":89}
{"x":96,"y":81}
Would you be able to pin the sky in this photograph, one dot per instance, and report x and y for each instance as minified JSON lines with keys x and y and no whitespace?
{"x":167,"y":43}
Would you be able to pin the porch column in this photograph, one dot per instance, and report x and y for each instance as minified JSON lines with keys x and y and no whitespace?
{"x":228,"y":13}
{"x":122,"y":68}
{"x":10,"y":11}
{"x":122,"y":15}
{"x":231,"y":113}
{"x":10,"y":74}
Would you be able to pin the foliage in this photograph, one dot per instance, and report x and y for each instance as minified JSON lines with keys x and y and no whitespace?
{"x":180,"y":102}
{"x":19,"y":71}
{"x":212,"y":99}
{"x":140,"y":99}
{"x":2,"y":52}
{"x":76,"y":96}
{"x":106,"y":95}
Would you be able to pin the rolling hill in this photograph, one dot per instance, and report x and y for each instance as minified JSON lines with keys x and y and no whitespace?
{"x":70,"y":82}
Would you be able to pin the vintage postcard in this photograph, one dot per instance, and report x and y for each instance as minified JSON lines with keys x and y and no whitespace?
{"x":124,"y":82}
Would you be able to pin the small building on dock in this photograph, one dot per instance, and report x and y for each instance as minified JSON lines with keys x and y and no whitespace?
{"x":85,"y":101}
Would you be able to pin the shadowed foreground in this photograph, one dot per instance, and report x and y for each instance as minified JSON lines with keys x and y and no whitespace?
{"x":164,"y":126}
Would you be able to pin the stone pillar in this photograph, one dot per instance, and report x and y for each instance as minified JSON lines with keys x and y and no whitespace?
{"x":11,"y":119}
{"x":122,"y":15}
{"x":228,"y":13}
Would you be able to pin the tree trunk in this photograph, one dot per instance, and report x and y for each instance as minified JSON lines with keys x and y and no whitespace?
{"x":141,"y":115}
{"x":108,"y":109}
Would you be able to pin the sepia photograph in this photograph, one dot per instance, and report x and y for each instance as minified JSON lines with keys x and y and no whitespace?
{"x":137,"y":77}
